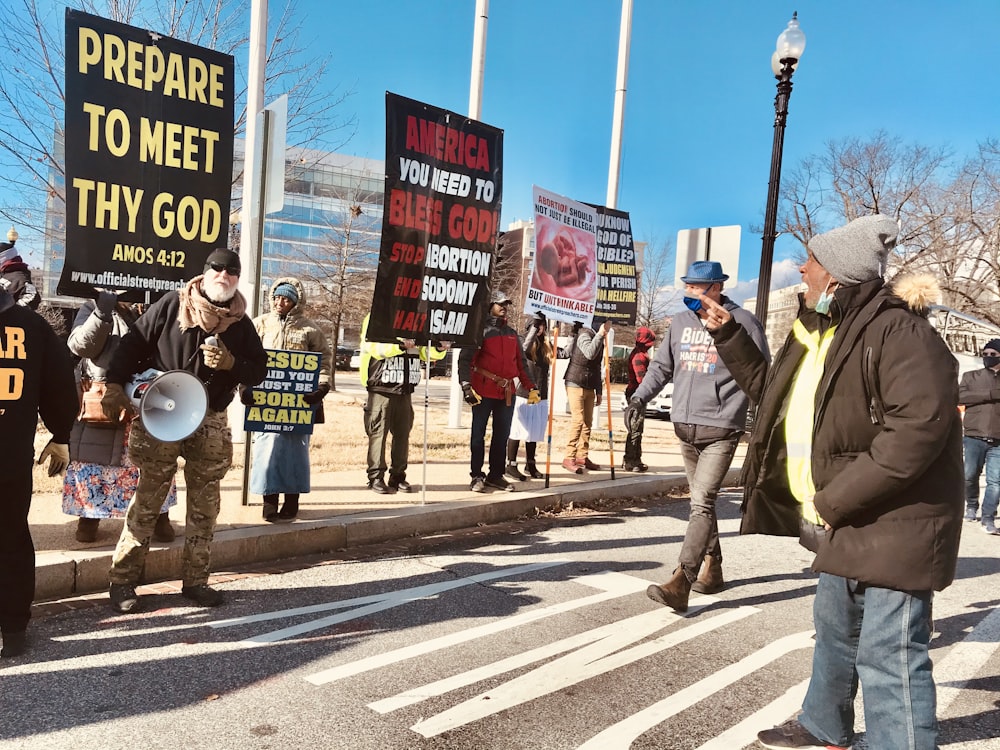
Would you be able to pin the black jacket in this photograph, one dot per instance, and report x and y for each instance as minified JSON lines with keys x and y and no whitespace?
{"x":538,"y":368}
{"x":979,"y":393}
{"x":585,"y":359}
{"x":157,"y":336}
{"x":38,"y":381}
{"x":887,"y":442}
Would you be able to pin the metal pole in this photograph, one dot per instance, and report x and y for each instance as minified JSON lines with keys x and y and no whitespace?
{"x":257,"y":241}
{"x":427,"y":413}
{"x":255,"y":103}
{"x":624,"y":45}
{"x":475,"y":112}
{"x":478,"y":59}
{"x":773,"y":187}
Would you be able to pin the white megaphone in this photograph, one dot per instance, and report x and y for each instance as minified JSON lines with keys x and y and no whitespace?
{"x":171,"y":405}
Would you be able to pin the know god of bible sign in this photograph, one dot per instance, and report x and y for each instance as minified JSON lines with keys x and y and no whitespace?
{"x":149,"y":158}
{"x":439,"y":227}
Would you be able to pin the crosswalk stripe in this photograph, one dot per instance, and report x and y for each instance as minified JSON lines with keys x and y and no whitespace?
{"x":621,"y":735}
{"x":590,"y":661}
{"x":623,"y":585}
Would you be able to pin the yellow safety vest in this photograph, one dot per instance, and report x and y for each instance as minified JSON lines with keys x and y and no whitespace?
{"x":801,"y":413}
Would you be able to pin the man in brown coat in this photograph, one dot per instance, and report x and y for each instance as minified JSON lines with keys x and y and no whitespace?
{"x":862,"y":461}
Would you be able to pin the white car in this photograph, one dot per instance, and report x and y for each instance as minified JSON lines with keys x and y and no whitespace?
{"x":356,"y":360}
{"x":660,"y":405}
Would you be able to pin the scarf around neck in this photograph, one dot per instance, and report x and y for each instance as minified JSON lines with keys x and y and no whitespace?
{"x":198,"y":311}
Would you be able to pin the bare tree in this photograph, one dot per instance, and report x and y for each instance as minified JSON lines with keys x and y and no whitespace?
{"x":860,"y":176}
{"x":340,"y":274}
{"x":949,"y":215}
{"x":32,"y":85}
{"x":656,"y":289}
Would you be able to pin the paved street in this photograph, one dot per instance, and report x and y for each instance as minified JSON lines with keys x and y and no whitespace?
{"x":537,"y":639}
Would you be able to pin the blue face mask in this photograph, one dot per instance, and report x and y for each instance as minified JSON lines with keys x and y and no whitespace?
{"x":692,"y":303}
{"x":825,"y":300}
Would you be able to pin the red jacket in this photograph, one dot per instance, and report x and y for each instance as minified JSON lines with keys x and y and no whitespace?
{"x":500,"y":353}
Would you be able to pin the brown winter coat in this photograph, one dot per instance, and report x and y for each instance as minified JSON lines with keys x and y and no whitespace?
{"x":887,"y":442}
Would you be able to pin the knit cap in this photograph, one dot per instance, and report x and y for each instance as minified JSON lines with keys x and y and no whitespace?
{"x":286,"y":290}
{"x":644,"y":335}
{"x":7,"y":252}
{"x":858,"y":251}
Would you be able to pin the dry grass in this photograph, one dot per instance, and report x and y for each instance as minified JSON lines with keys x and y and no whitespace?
{"x":340,"y":443}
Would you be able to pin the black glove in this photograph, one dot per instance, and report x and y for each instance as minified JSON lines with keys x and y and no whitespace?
{"x":106,"y":302}
{"x":318,"y":395}
{"x":246,"y":395}
{"x":634,"y":413}
{"x":471,"y":397}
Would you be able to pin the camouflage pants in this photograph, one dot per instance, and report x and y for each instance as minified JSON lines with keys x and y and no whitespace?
{"x":208,"y":454}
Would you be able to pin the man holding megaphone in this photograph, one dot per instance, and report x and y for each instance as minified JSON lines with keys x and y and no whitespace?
{"x":202,"y":329}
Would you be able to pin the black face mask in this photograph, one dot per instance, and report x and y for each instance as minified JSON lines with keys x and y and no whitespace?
{"x":990,"y":362}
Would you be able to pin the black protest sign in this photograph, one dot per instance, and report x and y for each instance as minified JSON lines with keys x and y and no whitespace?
{"x":617,"y":285}
{"x":149,"y":158}
{"x":439,"y":227}
{"x":278,"y":403}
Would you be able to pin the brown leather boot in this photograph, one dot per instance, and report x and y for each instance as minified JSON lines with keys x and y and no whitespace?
{"x":163,"y":531}
{"x":674,"y":593}
{"x":710,"y":578}
{"x":86,"y":529}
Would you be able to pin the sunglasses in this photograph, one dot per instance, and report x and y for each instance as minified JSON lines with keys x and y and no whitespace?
{"x":220,"y":267}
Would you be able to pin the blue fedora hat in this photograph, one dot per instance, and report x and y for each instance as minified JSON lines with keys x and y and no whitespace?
{"x":704,"y":272}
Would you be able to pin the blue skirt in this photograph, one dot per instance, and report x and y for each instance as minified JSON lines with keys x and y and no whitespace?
{"x":280,"y":463}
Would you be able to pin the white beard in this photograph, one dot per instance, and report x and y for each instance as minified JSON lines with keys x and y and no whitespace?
{"x":219,"y":292}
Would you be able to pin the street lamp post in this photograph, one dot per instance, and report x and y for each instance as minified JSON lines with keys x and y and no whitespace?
{"x":788,"y":52}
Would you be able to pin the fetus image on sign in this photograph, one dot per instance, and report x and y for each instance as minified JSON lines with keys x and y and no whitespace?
{"x":566,"y":261}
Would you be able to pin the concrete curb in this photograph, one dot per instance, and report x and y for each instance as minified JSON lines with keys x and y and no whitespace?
{"x":65,"y":574}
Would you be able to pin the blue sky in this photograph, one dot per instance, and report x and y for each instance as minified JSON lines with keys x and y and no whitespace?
{"x":700,"y":103}
{"x":699,"y":111}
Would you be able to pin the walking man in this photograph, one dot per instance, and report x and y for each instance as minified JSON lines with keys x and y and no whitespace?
{"x":709,"y":414}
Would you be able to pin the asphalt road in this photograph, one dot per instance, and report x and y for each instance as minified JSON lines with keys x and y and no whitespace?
{"x":542,"y":638}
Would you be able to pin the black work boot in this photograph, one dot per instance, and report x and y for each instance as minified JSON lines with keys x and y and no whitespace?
{"x":15,"y":643}
{"x":123,"y":598}
{"x":710,"y":578}
{"x":270,"y":512}
{"x":203,"y":595}
{"x":513,"y":472}
{"x":674,"y":593}
{"x":290,"y":509}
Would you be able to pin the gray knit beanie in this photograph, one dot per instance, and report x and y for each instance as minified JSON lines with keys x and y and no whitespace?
{"x":856,"y":252}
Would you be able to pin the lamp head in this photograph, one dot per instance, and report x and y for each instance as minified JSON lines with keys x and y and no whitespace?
{"x":12,"y":235}
{"x":791,"y":41}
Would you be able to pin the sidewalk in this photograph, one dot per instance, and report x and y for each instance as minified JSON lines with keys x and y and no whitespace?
{"x":340,"y":512}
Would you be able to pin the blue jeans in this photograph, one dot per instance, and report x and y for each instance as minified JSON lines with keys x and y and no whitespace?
{"x":977,"y":454}
{"x":706,"y":465}
{"x":881,"y":637}
{"x":503,"y":415}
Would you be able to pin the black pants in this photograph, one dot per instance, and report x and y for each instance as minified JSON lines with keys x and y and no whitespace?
{"x":17,"y":552}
